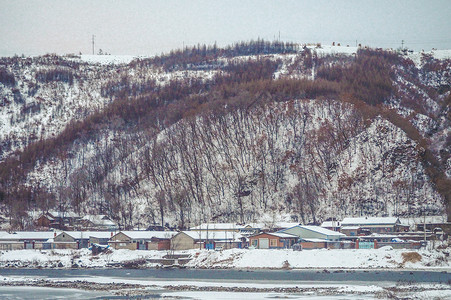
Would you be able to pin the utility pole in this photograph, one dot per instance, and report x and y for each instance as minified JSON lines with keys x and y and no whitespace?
{"x":93,"y":37}
{"x":424,"y":224}
{"x":402,"y":45}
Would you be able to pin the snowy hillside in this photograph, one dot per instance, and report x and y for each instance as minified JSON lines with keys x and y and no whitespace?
{"x":299,"y":134}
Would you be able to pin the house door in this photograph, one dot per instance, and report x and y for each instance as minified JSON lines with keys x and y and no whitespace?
{"x":263,"y":243}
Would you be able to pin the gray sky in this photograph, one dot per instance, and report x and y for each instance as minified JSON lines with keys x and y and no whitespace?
{"x":151,"y":27}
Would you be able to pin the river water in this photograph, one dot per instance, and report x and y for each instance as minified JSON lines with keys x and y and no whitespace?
{"x":208,"y":277}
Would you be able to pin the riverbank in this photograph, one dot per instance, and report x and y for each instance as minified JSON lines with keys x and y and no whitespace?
{"x":384,"y":258}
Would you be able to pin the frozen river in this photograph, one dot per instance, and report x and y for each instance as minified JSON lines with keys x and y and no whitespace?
{"x":314,"y":284}
{"x":241,"y":275}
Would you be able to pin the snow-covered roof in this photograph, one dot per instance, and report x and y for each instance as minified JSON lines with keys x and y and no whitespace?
{"x":282,"y":234}
{"x":213,"y":235}
{"x":376,"y":235}
{"x":370,"y":221}
{"x":350,"y":227}
{"x":101,"y":220}
{"x":421,"y":220}
{"x":87,"y":234}
{"x":330,"y":224}
{"x":254,"y":225}
{"x":66,"y":214}
{"x":321,"y":230}
{"x":28,"y":235}
{"x":314,"y":240}
{"x":217,"y":226}
{"x":146,"y":234}
{"x":3,"y":233}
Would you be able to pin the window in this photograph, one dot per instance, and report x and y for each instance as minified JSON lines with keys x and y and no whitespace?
{"x":273,"y":243}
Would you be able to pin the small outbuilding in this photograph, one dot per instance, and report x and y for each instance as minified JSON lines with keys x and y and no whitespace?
{"x":314,"y":232}
{"x":80,"y":239}
{"x":275,"y":240}
{"x":189,"y":239}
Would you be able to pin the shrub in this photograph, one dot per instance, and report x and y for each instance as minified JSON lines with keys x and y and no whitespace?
{"x":412,"y":257}
{"x":55,"y":74}
{"x":7,"y":78}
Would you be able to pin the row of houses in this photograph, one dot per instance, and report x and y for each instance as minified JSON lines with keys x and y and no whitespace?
{"x":133,"y":240}
{"x":349,"y":233}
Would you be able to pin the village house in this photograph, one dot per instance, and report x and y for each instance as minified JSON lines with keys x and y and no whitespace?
{"x":80,"y":239}
{"x":251,"y":229}
{"x":98,"y":222}
{"x":142,"y":240}
{"x":352,"y":230}
{"x":45,"y":220}
{"x":274,"y":240}
{"x":331,"y":225}
{"x":58,"y":220}
{"x":25,"y":239}
{"x":376,"y":224}
{"x":186,"y":240}
{"x":312,"y":237}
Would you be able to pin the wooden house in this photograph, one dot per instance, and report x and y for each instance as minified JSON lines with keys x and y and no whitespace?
{"x":275,"y":240}
{"x":80,"y":239}
{"x":142,"y":240}
{"x":375,"y":224}
{"x":331,"y":225}
{"x":44,"y":220}
{"x":185,"y":240}
{"x":98,"y":222}
{"x":351,"y":230}
{"x":58,"y":220}
{"x":25,"y":240}
{"x":312,"y":237}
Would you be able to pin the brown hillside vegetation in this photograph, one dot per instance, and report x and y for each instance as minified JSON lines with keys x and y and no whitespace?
{"x":145,"y":109}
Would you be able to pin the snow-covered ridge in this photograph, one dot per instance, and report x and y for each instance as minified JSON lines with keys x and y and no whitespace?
{"x":110,"y":59}
{"x":416,"y":57}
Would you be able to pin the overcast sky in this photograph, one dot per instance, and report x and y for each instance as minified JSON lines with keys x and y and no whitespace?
{"x":151,"y":27}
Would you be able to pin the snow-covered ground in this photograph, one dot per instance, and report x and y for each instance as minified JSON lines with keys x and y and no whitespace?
{"x":109,"y":59}
{"x":384,"y":258}
{"x":320,"y":258}
{"x":437,"y":54}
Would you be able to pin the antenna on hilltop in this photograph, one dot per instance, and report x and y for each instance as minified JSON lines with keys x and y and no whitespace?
{"x":402,"y":44}
{"x":93,"y":37}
